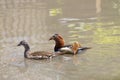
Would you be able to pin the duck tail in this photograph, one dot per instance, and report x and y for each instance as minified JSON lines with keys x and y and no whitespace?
{"x":84,"y":48}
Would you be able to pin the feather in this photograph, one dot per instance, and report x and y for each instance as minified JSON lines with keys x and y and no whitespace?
{"x":59,"y":45}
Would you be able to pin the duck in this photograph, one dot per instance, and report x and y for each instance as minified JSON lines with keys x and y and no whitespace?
{"x":36,"y":54}
{"x":60,"y":46}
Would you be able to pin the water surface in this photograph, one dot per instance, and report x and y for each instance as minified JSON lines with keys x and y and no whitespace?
{"x":93,"y":23}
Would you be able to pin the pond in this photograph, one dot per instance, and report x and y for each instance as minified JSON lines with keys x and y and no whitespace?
{"x":93,"y":23}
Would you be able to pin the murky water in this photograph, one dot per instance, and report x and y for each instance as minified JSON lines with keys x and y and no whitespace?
{"x":93,"y":23}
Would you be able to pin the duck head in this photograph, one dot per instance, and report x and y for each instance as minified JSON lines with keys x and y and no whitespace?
{"x":23,"y":42}
{"x":26,"y":46}
{"x":59,"y":41}
{"x":56,"y":37}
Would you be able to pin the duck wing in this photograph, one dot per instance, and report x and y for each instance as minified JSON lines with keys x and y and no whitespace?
{"x":66,"y":50}
{"x":40,"y":55}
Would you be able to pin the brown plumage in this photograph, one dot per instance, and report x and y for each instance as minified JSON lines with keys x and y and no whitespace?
{"x":75,"y":47}
{"x":59,"y":41}
{"x":60,"y":45}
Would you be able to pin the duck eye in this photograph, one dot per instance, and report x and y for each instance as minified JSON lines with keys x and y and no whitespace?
{"x":23,"y":42}
{"x":54,"y":36}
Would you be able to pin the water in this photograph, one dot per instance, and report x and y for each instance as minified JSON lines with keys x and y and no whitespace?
{"x":93,"y":23}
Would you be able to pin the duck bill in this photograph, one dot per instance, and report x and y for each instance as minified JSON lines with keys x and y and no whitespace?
{"x":18,"y":45}
{"x":51,"y":38}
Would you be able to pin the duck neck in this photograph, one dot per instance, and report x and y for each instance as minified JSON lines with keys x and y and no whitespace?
{"x":59,"y":43}
{"x":27,"y":49}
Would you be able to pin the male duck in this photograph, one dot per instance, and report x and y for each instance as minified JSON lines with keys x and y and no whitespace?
{"x":60,"y":45}
{"x":35,"y":55}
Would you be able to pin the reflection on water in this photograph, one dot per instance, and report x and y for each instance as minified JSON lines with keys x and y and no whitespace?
{"x":93,"y":23}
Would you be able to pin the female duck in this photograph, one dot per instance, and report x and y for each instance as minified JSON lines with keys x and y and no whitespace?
{"x":34,"y":55}
{"x":60,"y":45}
